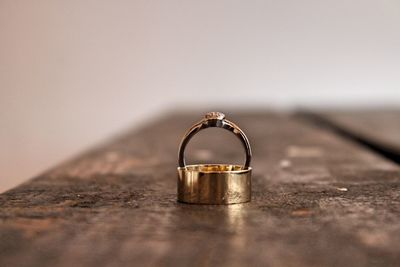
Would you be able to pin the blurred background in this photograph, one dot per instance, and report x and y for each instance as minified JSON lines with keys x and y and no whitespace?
{"x":73,"y":73}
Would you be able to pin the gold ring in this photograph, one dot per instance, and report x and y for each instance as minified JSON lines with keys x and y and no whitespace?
{"x":214,"y":183}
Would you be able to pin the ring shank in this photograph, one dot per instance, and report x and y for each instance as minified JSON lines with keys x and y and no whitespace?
{"x":207,"y":123}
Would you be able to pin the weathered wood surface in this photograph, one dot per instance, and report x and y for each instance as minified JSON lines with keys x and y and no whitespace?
{"x":318,"y":200}
{"x":378,"y":128}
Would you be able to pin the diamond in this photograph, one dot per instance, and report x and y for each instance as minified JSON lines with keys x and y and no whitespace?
{"x":215,"y":115}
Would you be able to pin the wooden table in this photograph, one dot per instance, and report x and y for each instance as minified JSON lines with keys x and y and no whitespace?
{"x":319,"y":199}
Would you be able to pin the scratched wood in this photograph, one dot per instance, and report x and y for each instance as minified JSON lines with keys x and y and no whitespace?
{"x":378,"y":128}
{"x":318,"y":200}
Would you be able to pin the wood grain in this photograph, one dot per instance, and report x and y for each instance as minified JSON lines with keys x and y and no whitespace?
{"x":318,"y":200}
{"x":377,"y":128}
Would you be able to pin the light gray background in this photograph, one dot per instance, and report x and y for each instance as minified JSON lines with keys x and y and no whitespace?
{"x":75,"y":72}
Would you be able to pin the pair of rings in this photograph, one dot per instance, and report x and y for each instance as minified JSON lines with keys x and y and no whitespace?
{"x":214,"y":183}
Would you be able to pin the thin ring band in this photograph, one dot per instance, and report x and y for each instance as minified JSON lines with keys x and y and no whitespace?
{"x":214,"y":122}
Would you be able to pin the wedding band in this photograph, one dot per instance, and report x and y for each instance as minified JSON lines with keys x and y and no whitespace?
{"x":214,"y":183}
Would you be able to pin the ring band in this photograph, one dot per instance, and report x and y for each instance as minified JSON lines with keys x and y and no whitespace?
{"x":214,"y":183}
{"x":214,"y":119}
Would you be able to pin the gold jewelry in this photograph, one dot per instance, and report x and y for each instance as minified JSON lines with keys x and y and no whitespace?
{"x":214,"y":183}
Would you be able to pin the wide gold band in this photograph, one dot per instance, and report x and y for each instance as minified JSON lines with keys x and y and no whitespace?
{"x":214,"y":184}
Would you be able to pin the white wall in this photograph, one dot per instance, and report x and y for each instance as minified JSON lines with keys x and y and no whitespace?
{"x":74,"y":72}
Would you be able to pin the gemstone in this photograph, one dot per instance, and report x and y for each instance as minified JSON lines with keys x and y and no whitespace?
{"x":215,"y":115}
